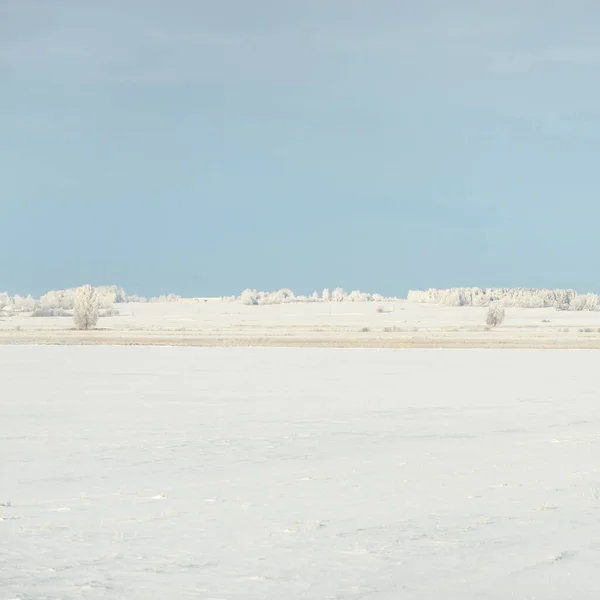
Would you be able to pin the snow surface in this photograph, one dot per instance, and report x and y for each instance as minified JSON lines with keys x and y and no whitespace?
{"x":354,"y":324}
{"x":264,"y":473}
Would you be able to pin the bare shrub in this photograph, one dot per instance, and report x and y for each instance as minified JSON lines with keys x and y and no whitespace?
{"x":50,"y":312}
{"x":495,"y":315}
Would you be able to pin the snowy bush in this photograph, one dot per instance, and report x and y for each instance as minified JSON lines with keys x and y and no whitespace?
{"x":249,"y":297}
{"x":280,"y":297}
{"x":165,"y":299}
{"x":337,"y":295}
{"x":50,"y":312}
{"x":357,"y":296}
{"x":85,"y":308}
{"x":585,"y":302}
{"x":495,"y":315}
{"x":111,"y":294}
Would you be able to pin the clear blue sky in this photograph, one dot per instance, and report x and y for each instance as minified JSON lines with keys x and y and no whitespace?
{"x":200,"y":147}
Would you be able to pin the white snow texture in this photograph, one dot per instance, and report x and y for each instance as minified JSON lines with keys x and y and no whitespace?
{"x":247,"y":474}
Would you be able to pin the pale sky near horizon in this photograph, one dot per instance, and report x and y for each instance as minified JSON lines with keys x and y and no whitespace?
{"x":201,"y":147}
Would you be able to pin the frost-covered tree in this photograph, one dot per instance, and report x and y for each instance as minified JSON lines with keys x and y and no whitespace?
{"x":17,"y":303}
{"x":585,"y":302}
{"x":337,"y":295}
{"x":4,"y":300}
{"x":495,"y":315}
{"x":281,"y":297}
{"x":165,"y":299}
{"x":85,"y":308}
{"x":286,"y":296}
{"x":107,"y":295}
{"x":64,"y":299}
{"x":23,"y":304}
{"x":249,"y":297}
{"x":508,"y":297}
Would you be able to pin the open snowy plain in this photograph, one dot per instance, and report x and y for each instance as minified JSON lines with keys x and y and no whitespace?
{"x":394,"y":324}
{"x":295,"y":473}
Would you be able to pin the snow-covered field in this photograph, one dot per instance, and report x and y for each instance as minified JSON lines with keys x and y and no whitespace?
{"x":344,"y":324}
{"x":268,"y":473}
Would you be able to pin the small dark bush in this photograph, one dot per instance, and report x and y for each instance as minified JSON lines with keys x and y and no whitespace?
{"x":50,"y":312}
